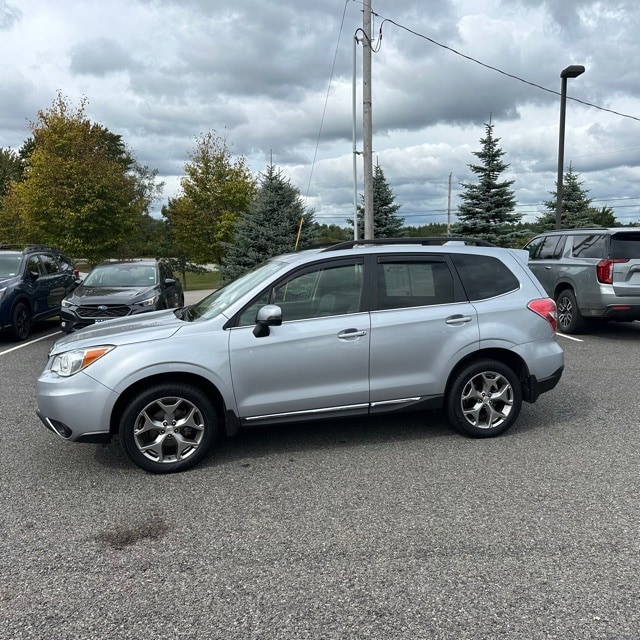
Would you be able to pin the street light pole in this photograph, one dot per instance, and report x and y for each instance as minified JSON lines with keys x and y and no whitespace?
{"x":572,"y":71}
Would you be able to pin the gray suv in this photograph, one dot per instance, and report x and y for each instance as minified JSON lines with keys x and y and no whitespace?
{"x":359,"y":328}
{"x":592,"y":274}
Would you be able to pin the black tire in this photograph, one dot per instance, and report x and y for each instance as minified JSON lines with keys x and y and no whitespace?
{"x":20,"y":321}
{"x":181,"y":426}
{"x":484,"y":399}
{"x":570,"y":319}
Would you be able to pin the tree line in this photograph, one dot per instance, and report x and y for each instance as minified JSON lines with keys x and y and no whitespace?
{"x":76,"y":185}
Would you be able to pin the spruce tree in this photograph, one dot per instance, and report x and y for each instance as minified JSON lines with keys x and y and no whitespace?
{"x":487,"y":211}
{"x":576,"y":206}
{"x":270,"y":227}
{"x":386,"y":224}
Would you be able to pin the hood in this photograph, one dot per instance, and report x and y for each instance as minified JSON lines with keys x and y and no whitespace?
{"x":155,"y":325}
{"x":109,"y":295}
{"x":6,"y":280}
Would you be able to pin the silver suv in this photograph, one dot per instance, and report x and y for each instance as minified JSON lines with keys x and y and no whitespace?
{"x":358,"y":328}
{"x":590,"y":273}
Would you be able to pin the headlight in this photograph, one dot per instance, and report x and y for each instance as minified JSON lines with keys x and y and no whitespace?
{"x":71,"y":362}
{"x":2,"y":292}
{"x":66,"y":303}
{"x":149,"y":302}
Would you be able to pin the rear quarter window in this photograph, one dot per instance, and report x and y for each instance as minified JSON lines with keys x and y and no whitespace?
{"x":588,"y":246}
{"x":625,"y":246}
{"x":484,"y":276}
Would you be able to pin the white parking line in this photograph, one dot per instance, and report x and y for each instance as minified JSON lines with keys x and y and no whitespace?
{"x":564,"y":335}
{"x":26,"y":344}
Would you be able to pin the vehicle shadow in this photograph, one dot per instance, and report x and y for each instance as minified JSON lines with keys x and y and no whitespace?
{"x":38,"y":330}
{"x":619,"y":331}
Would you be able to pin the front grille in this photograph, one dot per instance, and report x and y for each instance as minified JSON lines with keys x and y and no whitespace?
{"x":107,"y":311}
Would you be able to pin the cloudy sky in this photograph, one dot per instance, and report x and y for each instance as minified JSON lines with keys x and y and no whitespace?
{"x":275,"y":78}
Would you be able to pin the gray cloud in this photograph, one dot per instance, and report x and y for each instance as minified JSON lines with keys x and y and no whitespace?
{"x":99,"y":57}
{"x":162,"y":72}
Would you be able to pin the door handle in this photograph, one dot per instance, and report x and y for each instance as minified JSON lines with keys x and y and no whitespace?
{"x":458,"y":319}
{"x":351,"y":333}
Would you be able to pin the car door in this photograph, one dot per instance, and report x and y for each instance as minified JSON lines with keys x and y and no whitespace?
{"x":317,"y":361}
{"x":54,"y":281}
{"x":545,"y":261}
{"x":169,"y":286}
{"x":36,"y":286}
{"x":421,"y":326}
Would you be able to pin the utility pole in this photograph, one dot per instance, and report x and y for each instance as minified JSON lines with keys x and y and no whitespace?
{"x":367,"y":128}
{"x":449,"y":208}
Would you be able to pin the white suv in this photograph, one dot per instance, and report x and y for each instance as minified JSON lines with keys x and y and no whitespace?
{"x":359,"y":328}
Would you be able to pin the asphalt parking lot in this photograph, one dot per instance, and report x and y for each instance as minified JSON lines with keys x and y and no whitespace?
{"x":393,"y":527}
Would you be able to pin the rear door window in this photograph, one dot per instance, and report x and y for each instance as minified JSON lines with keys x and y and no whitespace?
{"x":413,"y":282}
{"x":484,"y":276}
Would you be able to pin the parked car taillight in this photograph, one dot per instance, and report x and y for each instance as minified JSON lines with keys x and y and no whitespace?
{"x":545,"y":308}
{"x":604,"y":270}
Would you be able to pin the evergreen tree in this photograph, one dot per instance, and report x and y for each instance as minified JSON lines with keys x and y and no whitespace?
{"x":386,"y":224}
{"x":576,"y":205}
{"x":487,"y":211}
{"x":277,"y":222}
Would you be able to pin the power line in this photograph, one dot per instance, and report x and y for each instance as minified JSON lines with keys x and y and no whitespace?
{"x":497,"y":70}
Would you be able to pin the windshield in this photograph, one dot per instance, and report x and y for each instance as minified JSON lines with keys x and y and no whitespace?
{"x":122,"y":275}
{"x":10,"y":265}
{"x":214,"y":304}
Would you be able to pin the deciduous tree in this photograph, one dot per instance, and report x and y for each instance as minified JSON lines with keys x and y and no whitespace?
{"x":215,"y":191}
{"x":82,"y":189}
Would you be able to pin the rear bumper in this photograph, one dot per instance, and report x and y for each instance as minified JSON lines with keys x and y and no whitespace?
{"x":538,"y":387}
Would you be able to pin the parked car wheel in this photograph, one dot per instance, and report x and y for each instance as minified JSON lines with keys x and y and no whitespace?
{"x":168,"y":428}
{"x":484,"y":399}
{"x":570,"y":319}
{"x":21,"y":321}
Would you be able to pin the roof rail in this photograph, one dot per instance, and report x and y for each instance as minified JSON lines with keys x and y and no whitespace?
{"x":430,"y":240}
{"x":27,"y":246}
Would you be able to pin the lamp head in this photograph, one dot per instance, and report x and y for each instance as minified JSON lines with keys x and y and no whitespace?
{"x":572,"y":71}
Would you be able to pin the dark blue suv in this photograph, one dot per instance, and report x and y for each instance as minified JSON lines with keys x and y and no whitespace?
{"x":33,"y":281}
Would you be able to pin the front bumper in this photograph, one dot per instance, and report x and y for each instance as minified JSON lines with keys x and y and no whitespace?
{"x":77,"y":408}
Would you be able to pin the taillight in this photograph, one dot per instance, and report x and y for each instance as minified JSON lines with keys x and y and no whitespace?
{"x":604,"y":270}
{"x":545,"y":308}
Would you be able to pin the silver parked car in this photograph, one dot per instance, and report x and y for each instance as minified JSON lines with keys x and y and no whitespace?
{"x":592,"y":274}
{"x":359,"y":328}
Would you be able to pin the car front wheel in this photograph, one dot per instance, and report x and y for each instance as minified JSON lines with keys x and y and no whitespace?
{"x":20,"y":321}
{"x":168,"y":428}
{"x":484,"y":399}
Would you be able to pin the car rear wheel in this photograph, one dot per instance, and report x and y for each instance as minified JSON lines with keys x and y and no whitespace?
{"x":20,"y":321}
{"x":570,"y":319}
{"x":168,"y":428}
{"x":484,"y":399}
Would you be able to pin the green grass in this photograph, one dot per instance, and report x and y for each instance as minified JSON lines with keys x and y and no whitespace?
{"x":196,"y":281}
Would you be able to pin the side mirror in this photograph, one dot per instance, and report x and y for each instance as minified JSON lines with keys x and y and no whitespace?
{"x":169,"y":281}
{"x":268,"y":316}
